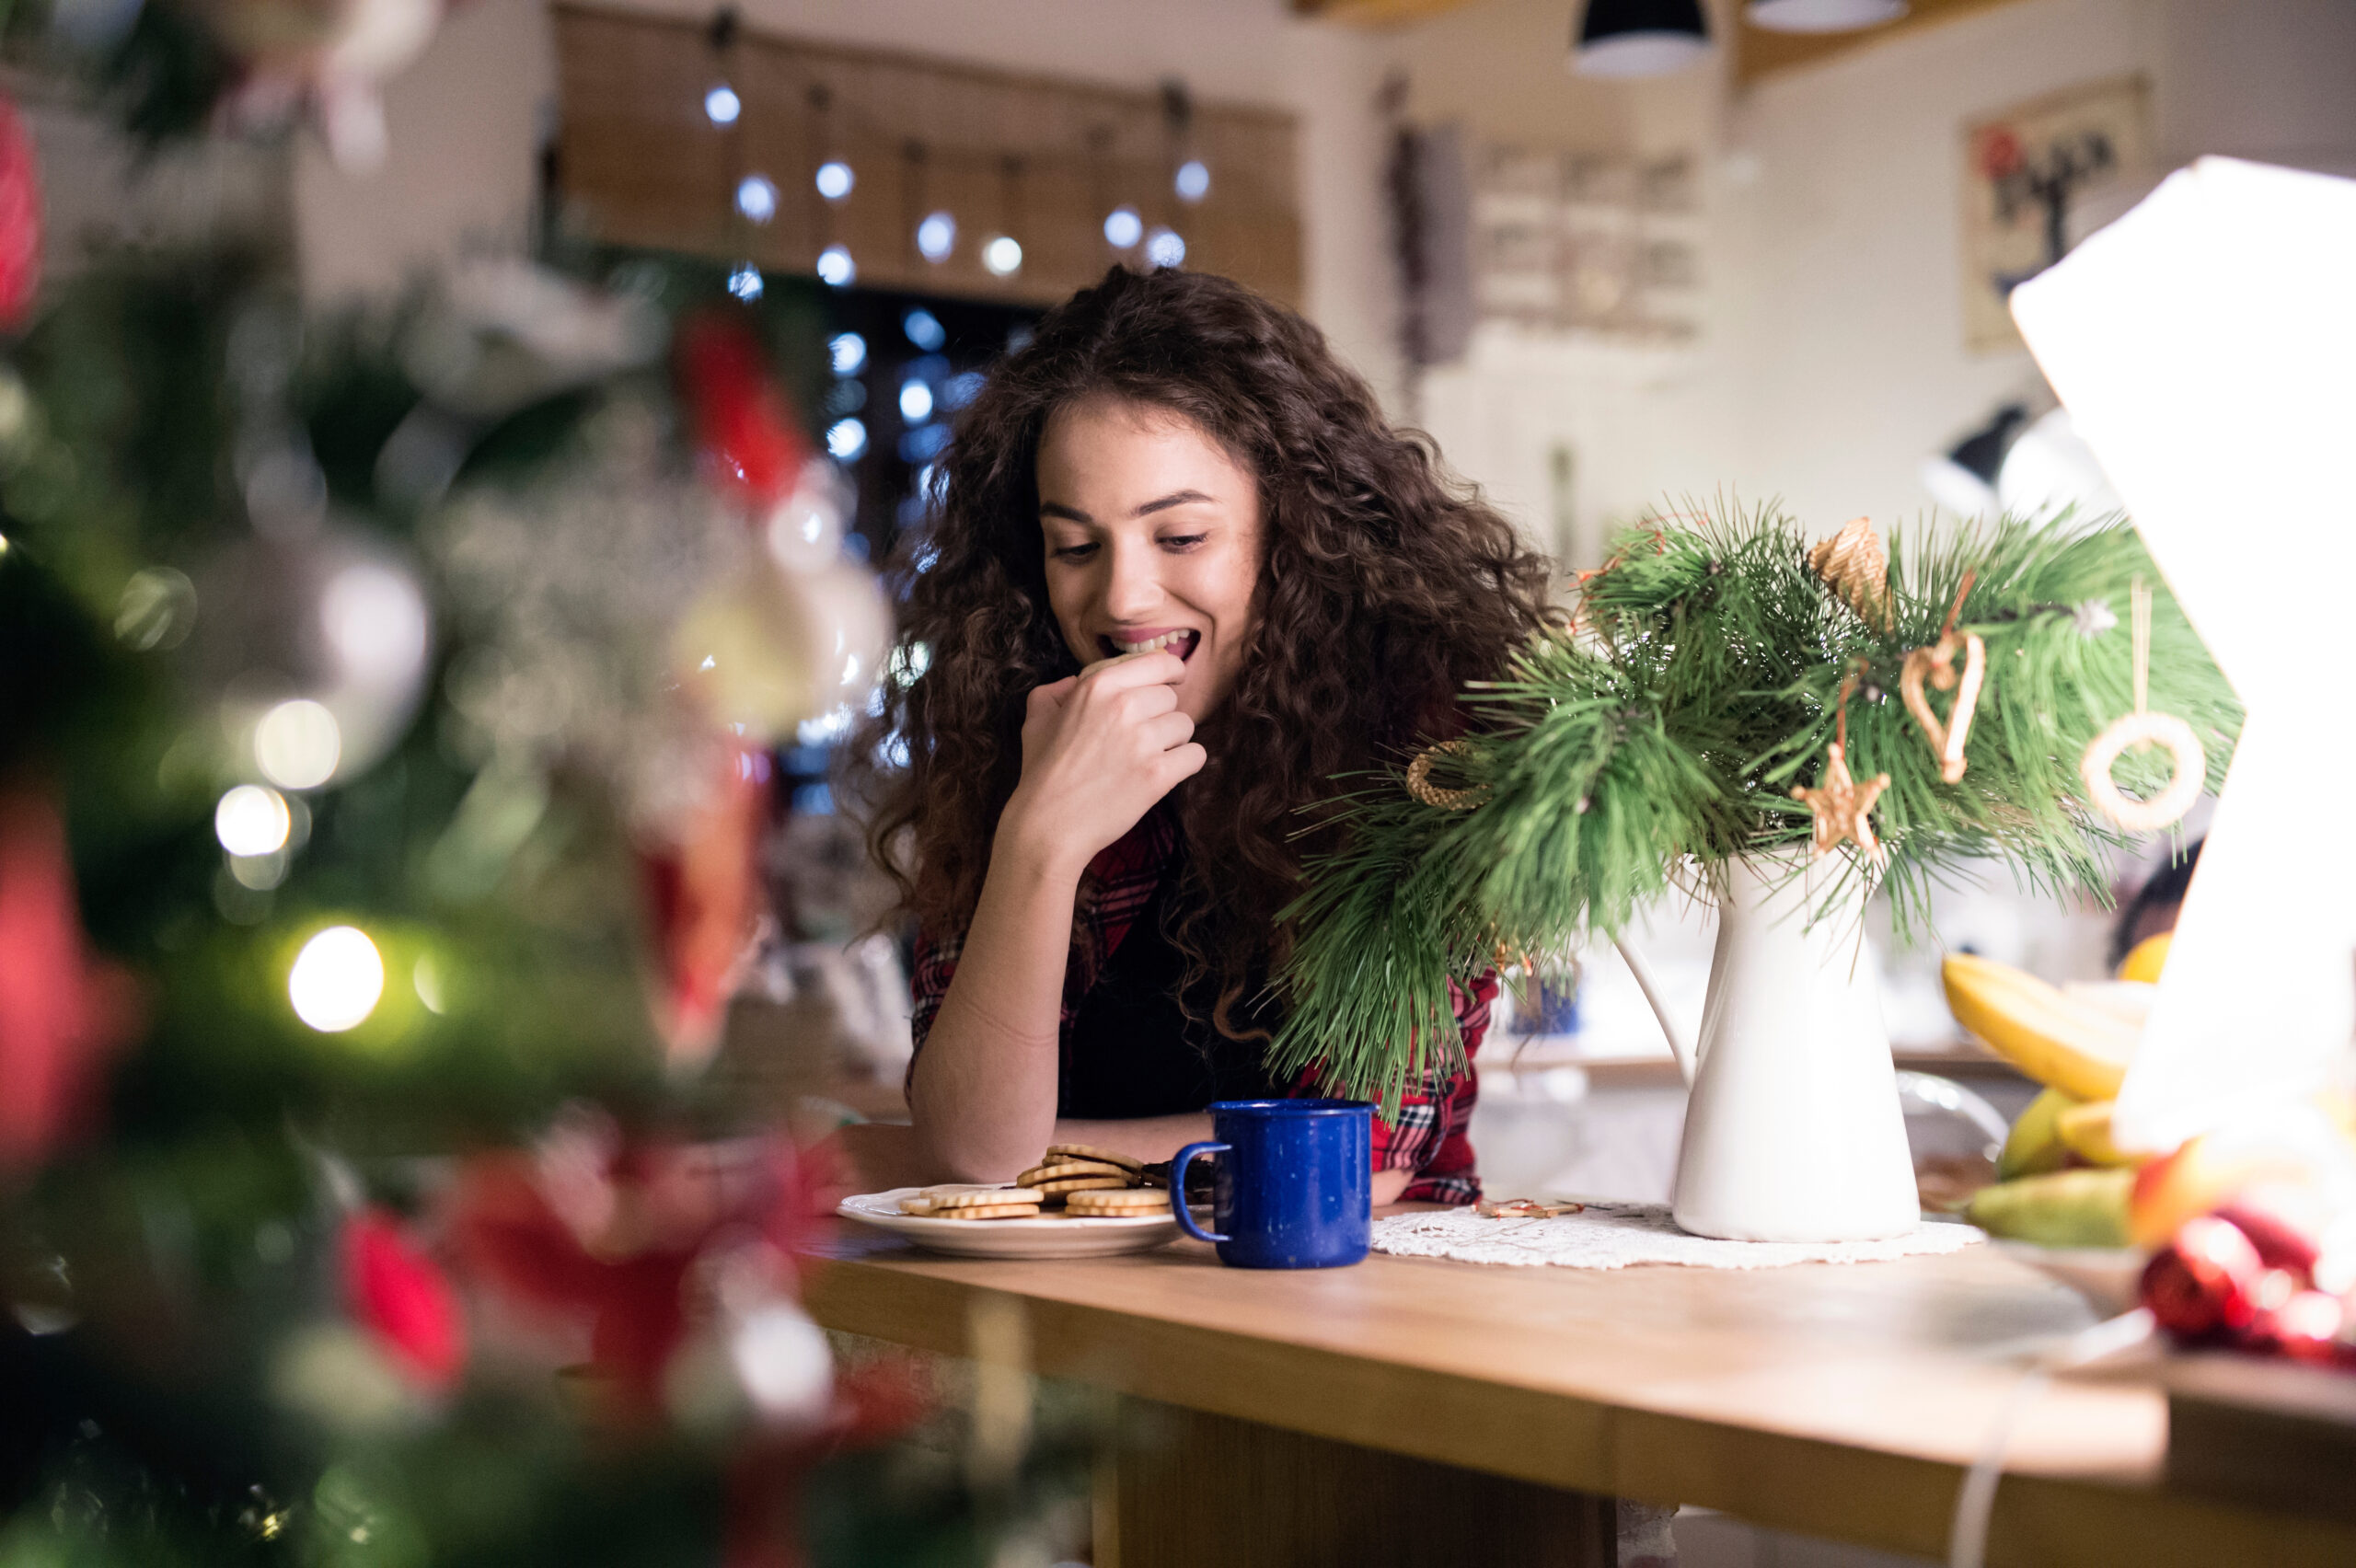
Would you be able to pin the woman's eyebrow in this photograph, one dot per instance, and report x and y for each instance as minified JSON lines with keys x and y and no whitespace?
{"x":1159,"y":503}
{"x":1175,"y":498}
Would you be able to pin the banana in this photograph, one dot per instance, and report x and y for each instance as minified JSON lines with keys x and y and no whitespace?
{"x":2062,"y":1044}
{"x":2086,"y":1129}
{"x":2035,"y":1146}
{"x":2067,"y":1208}
{"x":2146,"y":959}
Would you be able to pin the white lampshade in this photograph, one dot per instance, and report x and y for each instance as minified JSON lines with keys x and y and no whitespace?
{"x":1821,"y":16}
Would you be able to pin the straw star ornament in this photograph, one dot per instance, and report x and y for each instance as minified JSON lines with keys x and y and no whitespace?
{"x":1843,"y":807}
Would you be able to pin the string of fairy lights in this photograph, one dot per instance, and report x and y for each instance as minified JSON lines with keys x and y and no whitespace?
{"x":757,"y":199}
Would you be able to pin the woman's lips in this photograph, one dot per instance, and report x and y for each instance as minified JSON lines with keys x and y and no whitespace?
{"x":1179,"y":641}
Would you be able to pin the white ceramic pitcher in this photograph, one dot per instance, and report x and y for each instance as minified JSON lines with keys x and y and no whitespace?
{"x":1793,"y":1131}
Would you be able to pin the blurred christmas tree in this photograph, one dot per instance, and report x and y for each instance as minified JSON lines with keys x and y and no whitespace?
{"x":386,"y":707}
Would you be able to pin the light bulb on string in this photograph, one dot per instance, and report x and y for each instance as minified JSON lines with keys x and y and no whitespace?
{"x":1002,"y":255}
{"x":1123,"y":227}
{"x":721,"y":106}
{"x":1165,"y":247}
{"x":757,"y":198}
{"x":835,"y":267}
{"x":836,"y":179}
{"x":937,"y":236}
{"x":924,"y":329}
{"x":1193,"y":181}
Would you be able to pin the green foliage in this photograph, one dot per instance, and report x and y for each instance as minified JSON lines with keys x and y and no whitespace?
{"x":1664,"y":737}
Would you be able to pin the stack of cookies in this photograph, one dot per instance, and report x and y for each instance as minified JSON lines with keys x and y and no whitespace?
{"x":1081,"y":1182}
{"x":1094,"y":1182}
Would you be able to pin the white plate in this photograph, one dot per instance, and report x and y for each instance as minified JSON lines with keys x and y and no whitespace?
{"x":2110,"y":1278}
{"x":1043,"y":1237}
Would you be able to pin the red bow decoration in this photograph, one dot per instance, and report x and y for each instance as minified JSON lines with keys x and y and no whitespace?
{"x":608,"y":1232}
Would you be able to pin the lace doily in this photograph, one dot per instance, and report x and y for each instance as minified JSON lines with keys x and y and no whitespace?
{"x":1612,"y":1236}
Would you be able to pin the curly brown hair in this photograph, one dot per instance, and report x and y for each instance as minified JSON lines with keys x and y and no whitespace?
{"x":1384,"y":586}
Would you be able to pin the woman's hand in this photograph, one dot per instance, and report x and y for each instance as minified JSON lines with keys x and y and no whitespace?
{"x":1099,"y":749}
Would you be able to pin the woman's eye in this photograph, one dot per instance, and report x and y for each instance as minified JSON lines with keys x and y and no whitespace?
{"x":1075,"y":552}
{"x":1182,"y":541}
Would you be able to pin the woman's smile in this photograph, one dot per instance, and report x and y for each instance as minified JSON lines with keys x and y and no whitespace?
{"x":1181,"y":641}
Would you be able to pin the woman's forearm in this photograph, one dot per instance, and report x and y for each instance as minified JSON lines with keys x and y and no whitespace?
{"x":984,"y":1093}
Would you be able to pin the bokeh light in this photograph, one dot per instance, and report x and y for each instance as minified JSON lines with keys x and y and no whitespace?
{"x":721,"y":106}
{"x":1002,"y":256}
{"x":337,"y":980}
{"x":1163,"y":248}
{"x":835,"y":181}
{"x":745,"y":283}
{"x":915,"y":401}
{"x":1194,"y":181}
{"x":425,"y":978}
{"x":298,"y":744}
{"x":924,"y":329}
{"x":1123,"y":227}
{"x":835,"y":267}
{"x":936,"y":236}
{"x":846,"y":439}
{"x":252,"y":820}
{"x":377,"y":621}
{"x":757,"y":198}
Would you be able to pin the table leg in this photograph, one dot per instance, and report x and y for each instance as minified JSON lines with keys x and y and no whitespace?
{"x":1186,"y":1490}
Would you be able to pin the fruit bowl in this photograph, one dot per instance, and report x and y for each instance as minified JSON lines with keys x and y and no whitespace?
{"x":2107,"y":1277}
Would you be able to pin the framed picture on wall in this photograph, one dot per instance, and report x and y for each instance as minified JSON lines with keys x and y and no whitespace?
{"x":2036,"y":177}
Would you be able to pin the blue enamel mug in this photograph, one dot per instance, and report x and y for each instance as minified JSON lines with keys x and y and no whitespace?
{"x":1295,"y":1184}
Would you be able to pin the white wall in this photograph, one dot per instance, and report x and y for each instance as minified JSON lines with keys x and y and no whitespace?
{"x":1832,"y":359}
{"x":465,"y":120}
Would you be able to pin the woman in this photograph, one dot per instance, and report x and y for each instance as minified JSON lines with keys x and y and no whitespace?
{"x":1182,"y":574}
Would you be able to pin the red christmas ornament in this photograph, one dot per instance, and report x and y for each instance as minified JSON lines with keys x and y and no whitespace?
{"x":2305,"y":1327}
{"x":19,"y":219}
{"x":742,"y":421}
{"x":2280,"y":1241}
{"x":61,"y":1014}
{"x":403,"y":1296}
{"x":2205,"y":1280}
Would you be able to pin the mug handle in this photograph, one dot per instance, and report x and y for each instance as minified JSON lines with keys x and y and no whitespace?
{"x":1186,"y":1157}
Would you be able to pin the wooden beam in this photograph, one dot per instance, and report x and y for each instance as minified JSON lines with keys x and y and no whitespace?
{"x":1760,"y":53}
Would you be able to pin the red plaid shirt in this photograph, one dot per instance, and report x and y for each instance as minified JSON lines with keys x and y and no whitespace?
{"x":1430,"y":1137}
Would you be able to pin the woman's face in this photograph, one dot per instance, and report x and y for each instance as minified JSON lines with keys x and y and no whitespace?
{"x":1153,"y":540}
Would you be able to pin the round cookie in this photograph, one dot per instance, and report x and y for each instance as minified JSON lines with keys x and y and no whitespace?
{"x":990,"y":1211}
{"x":1117,"y":1204}
{"x":939,"y":1200}
{"x":1080,"y":1184}
{"x":1058,"y":1169}
{"x":1090,"y":1151}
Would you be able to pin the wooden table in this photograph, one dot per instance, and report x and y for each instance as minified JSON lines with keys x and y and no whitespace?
{"x":1315,"y":1416}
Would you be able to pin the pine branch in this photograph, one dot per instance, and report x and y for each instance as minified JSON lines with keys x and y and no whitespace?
{"x":1667,"y":733}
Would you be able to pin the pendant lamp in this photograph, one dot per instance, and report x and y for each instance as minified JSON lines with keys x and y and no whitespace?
{"x":1822,"y":16}
{"x":1639,"y":38}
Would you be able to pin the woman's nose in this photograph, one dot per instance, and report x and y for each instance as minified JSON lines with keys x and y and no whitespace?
{"x":1133,"y":583}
